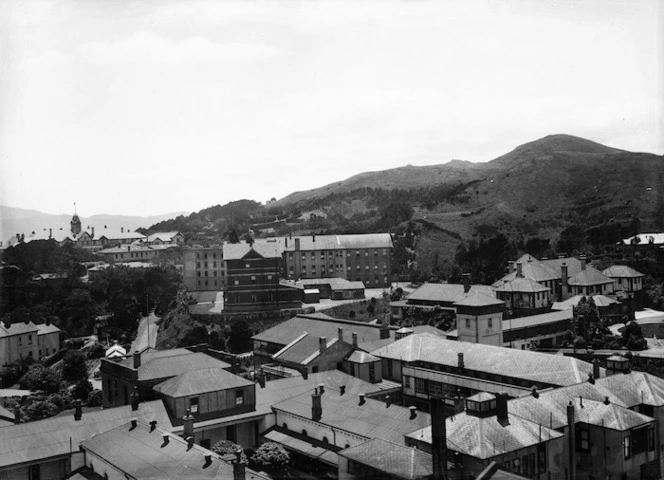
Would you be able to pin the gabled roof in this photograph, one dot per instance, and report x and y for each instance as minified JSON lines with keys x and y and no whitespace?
{"x":622,"y":271}
{"x":533,"y":269}
{"x":361,"y":357}
{"x":486,"y":437}
{"x":156,"y":364}
{"x":520,"y":284}
{"x":334,"y":283}
{"x":318,"y":325}
{"x":46,"y":329}
{"x":204,"y":380}
{"x":371,"y":420}
{"x":163,"y":236}
{"x":645,"y":239}
{"x":600,"y":301}
{"x":18,"y":328}
{"x":141,"y":452}
{"x":589,"y":276}
{"x":332,"y":242}
{"x":445,"y":292}
{"x":478,"y":299}
{"x":396,"y":460}
{"x":32,"y":441}
{"x":238,"y":251}
{"x":555,"y":264}
{"x":523,"y":364}
{"x":533,"y":320}
{"x":303,"y":350}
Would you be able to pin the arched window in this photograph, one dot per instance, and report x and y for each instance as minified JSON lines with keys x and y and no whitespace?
{"x":285,"y":426}
{"x":304,"y":432}
{"x":325,"y":440}
{"x":347,"y":445}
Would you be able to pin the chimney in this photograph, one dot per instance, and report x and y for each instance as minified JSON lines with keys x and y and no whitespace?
{"x":563,"y":274}
{"x":78,"y":410}
{"x":342,"y":389}
{"x":134,"y":398}
{"x":321,"y":388}
{"x":93,"y":232}
{"x":297,"y":244}
{"x":583,"y":259}
{"x":316,"y":406}
{"x":305,"y":373}
{"x":438,"y":438}
{"x":460,"y":355}
{"x":533,"y":392}
{"x":510,"y":266}
{"x":362,"y":400}
{"x":501,"y":408}
{"x":458,"y":403}
{"x":606,"y":400}
{"x":355,"y":339}
{"x":165,"y":438}
{"x":519,"y":269}
{"x":50,"y":233}
{"x":134,"y":423}
{"x":17,"y":414}
{"x":466,"y":282}
{"x":596,"y":372}
{"x":322,"y":344}
{"x":571,"y":444}
{"x":121,"y":229}
{"x":137,"y":359}
{"x":591,"y":379}
{"x":388,"y":401}
{"x":239,"y":472}
{"x":384,"y":330}
{"x":190,"y":443}
{"x":341,"y":334}
{"x":208,"y":460}
{"x":313,"y":238}
{"x":153,"y":425}
{"x":261,"y":378}
{"x":188,"y":424}
{"x":413,"y":412}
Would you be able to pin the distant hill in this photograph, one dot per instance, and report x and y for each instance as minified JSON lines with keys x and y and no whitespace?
{"x":18,"y":220}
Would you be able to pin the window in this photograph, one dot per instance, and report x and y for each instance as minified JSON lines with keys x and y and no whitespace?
{"x":491,"y":323}
{"x":406,"y":381}
{"x":516,"y":465}
{"x":435,"y":389}
{"x":420,"y":385}
{"x":193,"y":404}
{"x":253,"y":279}
{"x":246,"y":265}
{"x":627,"y":446}
{"x":239,"y":397}
{"x":325,"y":440}
{"x":284,"y":426}
{"x":304,"y":433}
{"x":467,"y":322}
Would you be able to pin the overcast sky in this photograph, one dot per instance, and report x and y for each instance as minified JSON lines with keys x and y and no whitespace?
{"x":146,"y":107}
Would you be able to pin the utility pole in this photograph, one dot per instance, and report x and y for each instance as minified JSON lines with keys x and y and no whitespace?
{"x":147,"y":313}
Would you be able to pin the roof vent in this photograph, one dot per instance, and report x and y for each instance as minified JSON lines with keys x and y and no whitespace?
{"x":166,"y":438}
{"x":190,"y":443}
{"x":153,"y":425}
{"x":606,"y":400}
{"x":362,"y":400}
{"x":342,"y":389}
{"x":413,"y":412}
{"x":591,"y":378}
{"x":534,"y":392}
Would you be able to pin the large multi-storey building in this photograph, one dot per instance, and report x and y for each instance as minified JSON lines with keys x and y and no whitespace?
{"x":204,"y":268}
{"x":364,"y":258}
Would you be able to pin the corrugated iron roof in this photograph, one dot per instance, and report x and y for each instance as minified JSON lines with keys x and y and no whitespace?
{"x":204,"y":380}
{"x":142,"y":453}
{"x":622,"y":271}
{"x":533,"y":366}
{"x":478,"y":299}
{"x":520,"y":284}
{"x":600,"y":301}
{"x":533,"y":320}
{"x":371,"y":420}
{"x":589,"y":276}
{"x":18,"y":328}
{"x":394,"y":459}
{"x":303,"y":349}
{"x":446,"y":292}
{"x":486,"y":437}
{"x":32,"y":441}
{"x":331,"y":242}
{"x":362,"y":357}
{"x":156,"y":364}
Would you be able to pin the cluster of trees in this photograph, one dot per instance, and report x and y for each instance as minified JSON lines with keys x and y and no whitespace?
{"x":270,"y":457}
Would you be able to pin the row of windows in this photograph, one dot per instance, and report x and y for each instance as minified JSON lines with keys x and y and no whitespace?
{"x":200,"y":284}
{"x":20,"y":340}
{"x":205,"y":264}
{"x":529,"y":464}
{"x":337,"y":253}
{"x":205,"y":255}
{"x":193,"y":401}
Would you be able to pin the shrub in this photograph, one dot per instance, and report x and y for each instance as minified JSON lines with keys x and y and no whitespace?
{"x":226,"y":447}
{"x":271,"y":456}
{"x":82,"y":389}
{"x":95,"y":399}
{"x":40,"y":378}
{"x":74,"y":367}
{"x":38,"y":410}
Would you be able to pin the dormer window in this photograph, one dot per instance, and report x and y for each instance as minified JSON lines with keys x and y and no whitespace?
{"x":239,"y":397}
{"x":482,"y":404}
{"x":193,"y":404}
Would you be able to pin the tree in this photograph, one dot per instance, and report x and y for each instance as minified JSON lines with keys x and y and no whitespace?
{"x":195,"y":336}
{"x":95,"y":399}
{"x":74,"y":368}
{"x":239,"y":340}
{"x":38,"y":410}
{"x":40,"y":378}
{"x":272,"y":457}
{"x":82,"y":390}
{"x":226,"y":447}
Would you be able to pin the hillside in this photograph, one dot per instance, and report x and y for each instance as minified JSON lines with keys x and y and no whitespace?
{"x":556,"y":186}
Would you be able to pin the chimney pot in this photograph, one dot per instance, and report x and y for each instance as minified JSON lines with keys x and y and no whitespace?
{"x":342,"y":389}
{"x":208,"y":459}
{"x":321,"y":388}
{"x":606,"y":400}
{"x":137,"y":359}
{"x":322,"y":344}
{"x":362,"y":400}
{"x":413,"y":412}
{"x":134,"y":423}
{"x":341,"y":334}
{"x":166,"y":438}
{"x":355,"y":339}
{"x":78,"y":410}
{"x":388,"y":401}
{"x":153,"y":425}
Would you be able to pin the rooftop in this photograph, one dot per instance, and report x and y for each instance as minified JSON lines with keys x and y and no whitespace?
{"x":28,"y":442}
{"x":332,"y":242}
{"x":478,"y":299}
{"x":600,"y":301}
{"x":391,"y":458}
{"x":371,"y":420}
{"x":18,"y":328}
{"x":589,"y":276}
{"x":303,"y":349}
{"x":237,"y":251}
{"x":361,"y":357}
{"x":534,"y":320}
{"x":520,"y":284}
{"x":622,"y":271}
{"x":141,"y":452}
{"x":445,"y":292}
{"x":156,"y":364}
{"x":204,"y":380}
{"x":523,"y":364}
{"x":334,"y":283}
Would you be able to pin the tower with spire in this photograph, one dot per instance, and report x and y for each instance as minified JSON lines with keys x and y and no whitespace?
{"x":75,"y":223}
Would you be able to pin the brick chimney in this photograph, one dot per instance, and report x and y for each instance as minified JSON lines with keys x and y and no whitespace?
{"x":297,"y":244}
{"x":519,"y":269}
{"x":501,"y":409}
{"x":384,"y":330}
{"x":438,"y":438}
{"x":510,"y":266}
{"x":563,"y":274}
{"x":355,"y":339}
{"x":239,"y":468}
{"x":596,"y":371}
{"x":137,"y":359}
{"x":78,"y":410}
{"x":341,"y":334}
{"x":316,"y":406}
{"x":321,"y":388}
{"x":134,"y":398}
{"x":460,"y":362}
{"x":466,"y":282}
{"x":322,"y":344}
{"x":571,"y":444}
{"x":583,"y":259}
{"x":188,"y":424}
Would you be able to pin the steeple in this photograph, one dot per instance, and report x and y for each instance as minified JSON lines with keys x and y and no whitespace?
{"x":75,"y":223}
